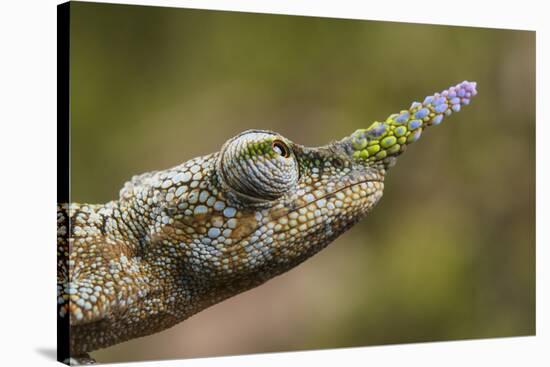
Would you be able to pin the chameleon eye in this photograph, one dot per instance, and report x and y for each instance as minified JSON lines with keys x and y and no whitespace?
{"x":258,"y":165}
{"x":280,"y":148}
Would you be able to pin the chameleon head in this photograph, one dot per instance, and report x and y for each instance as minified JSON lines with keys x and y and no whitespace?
{"x":263,"y":204}
{"x":290,"y":200}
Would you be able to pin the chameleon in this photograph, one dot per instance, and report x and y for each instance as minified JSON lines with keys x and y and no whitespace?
{"x":179,"y":240}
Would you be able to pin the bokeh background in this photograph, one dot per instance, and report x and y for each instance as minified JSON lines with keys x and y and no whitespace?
{"x":449,"y":252}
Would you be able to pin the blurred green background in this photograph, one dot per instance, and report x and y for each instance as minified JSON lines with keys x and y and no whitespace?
{"x":449,"y":252}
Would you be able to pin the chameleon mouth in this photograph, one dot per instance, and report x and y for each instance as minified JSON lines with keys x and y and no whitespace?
{"x":321,"y":210}
{"x":334,"y":193}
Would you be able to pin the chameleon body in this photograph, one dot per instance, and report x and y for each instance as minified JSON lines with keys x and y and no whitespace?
{"x":179,"y":240}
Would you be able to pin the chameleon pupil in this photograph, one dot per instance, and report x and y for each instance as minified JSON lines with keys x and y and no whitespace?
{"x":280,"y":148}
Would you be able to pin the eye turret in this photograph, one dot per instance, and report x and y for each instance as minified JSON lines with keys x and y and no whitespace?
{"x":259,"y":165}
